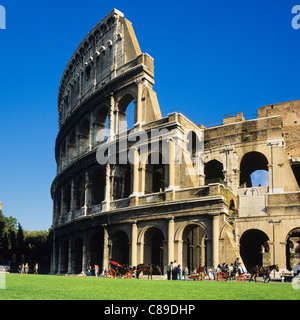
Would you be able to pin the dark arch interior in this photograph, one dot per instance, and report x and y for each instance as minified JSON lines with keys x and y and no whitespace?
{"x":253,"y":246}
{"x":213,"y":171}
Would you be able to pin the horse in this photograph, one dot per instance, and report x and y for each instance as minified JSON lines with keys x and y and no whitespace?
{"x":266,"y":271}
{"x":150,"y":268}
{"x":254,"y":272}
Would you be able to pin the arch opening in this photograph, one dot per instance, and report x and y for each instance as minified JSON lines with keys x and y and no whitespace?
{"x":254,"y":248}
{"x":254,"y":170}
{"x":154,"y":249}
{"x":213,"y":171}
{"x":194,"y":247}
{"x":120,"y":248}
{"x":127,"y":114}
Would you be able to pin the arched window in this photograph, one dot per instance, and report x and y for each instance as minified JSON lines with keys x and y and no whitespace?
{"x":101,"y":125}
{"x":254,"y":170}
{"x":127,"y":116}
{"x":213,"y":171}
{"x":155,"y":180}
{"x":72,"y":145}
{"x":84,"y":135}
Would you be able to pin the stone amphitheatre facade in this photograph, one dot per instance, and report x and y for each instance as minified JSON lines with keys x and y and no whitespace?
{"x":199,"y":207}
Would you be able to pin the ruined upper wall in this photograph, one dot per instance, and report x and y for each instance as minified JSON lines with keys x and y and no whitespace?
{"x":290,"y":115}
{"x":109,"y":50}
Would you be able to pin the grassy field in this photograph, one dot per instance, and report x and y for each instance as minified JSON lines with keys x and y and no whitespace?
{"x":46,"y":287}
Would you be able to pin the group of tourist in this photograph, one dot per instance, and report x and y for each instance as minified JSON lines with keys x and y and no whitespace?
{"x":175,"y":272}
{"x":90,"y":270}
{"x":24,"y":268}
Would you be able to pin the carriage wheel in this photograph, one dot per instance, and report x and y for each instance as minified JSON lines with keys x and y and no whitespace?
{"x":111,"y":273}
{"x":221,"y":276}
{"x":127,"y":275}
{"x":241,"y":278}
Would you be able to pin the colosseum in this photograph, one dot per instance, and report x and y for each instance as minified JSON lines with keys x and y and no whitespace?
{"x":136,"y":187}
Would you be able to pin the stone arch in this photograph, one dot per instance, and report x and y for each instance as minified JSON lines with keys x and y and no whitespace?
{"x":154,"y":247}
{"x":293,"y":248}
{"x":156,"y":172}
{"x":251,"y":162}
{"x":120,"y":247}
{"x":101,"y":123}
{"x":213,"y":171}
{"x":126,"y":106}
{"x":84,"y":135}
{"x":77,"y":256}
{"x":96,"y":245}
{"x":193,"y":235}
{"x":254,"y":243}
{"x":98,"y":187}
{"x":72,"y":145}
{"x":64,"y":256}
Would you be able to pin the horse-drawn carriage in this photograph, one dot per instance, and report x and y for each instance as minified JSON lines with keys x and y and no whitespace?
{"x":117,"y":270}
{"x":253,"y":273}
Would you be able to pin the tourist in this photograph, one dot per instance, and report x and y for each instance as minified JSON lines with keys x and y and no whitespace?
{"x":174,"y":270}
{"x":26,"y":268}
{"x":200,"y":273}
{"x":35,"y":269}
{"x":185,"y":272}
{"x":96,"y":270}
{"x":169,"y":269}
{"x":178,"y":272}
{"x":210,"y":273}
{"x":89,"y":271}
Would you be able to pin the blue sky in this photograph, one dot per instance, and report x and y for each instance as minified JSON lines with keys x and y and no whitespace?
{"x":211,"y":58}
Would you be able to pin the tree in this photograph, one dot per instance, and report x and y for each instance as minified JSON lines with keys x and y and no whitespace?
{"x":20,"y":244}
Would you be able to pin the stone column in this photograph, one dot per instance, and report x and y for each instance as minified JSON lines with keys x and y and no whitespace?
{"x":84,"y":249}
{"x":105,"y":249}
{"x":73,"y":198}
{"x":106,"y":202}
{"x":134,"y":244}
{"x":70,"y":267}
{"x":59,"y":257}
{"x":215,"y":239}
{"x":135,"y":188}
{"x":92,"y":131}
{"x":111,"y":118}
{"x":86,"y":193}
{"x":170,"y":240}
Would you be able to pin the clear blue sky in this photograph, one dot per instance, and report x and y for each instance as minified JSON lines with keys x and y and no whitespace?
{"x":211,"y":58}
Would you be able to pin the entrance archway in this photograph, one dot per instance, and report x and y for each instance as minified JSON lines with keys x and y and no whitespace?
{"x":254,"y":248}
{"x":194,"y":246}
{"x":120,"y":248}
{"x":96,"y":249}
{"x":293,"y":248}
{"x":154,"y":249}
{"x":78,"y":254}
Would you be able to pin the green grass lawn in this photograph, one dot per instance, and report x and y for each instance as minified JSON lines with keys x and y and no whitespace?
{"x":46,"y":287}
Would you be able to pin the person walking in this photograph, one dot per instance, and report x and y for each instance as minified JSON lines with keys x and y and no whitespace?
{"x":35,"y":269}
{"x":169,"y":269}
{"x":178,"y":272}
{"x":185,"y":272}
{"x":200,"y":273}
{"x":96,"y":270}
{"x":26,"y":268}
{"x":174,"y":270}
